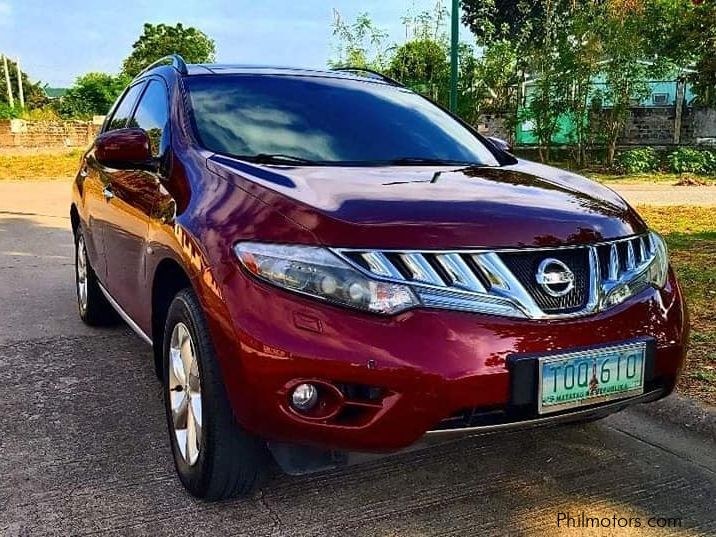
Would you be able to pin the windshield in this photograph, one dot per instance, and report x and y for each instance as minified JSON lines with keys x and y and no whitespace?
{"x":327,"y":120}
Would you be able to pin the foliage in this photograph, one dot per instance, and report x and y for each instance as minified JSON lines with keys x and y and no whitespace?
{"x":45,"y":113}
{"x":690,"y":39}
{"x":422,"y":65}
{"x":689,"y":160}
{"x":9,"y":113}
{"x":34,"y":95}
{"x":641,"y":160}
{"x":360,"y":43}
{"x":92,"y":94}
{"x":158,"y":40}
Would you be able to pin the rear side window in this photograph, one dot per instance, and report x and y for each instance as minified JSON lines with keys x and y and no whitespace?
{"x":124,"y":109}
{"x":152,"y":116}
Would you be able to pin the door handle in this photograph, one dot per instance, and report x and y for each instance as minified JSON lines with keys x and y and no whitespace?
{"x":107,"y":193}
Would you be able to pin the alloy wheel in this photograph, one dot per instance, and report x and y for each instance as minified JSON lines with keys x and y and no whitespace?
{"x":82,"y":283}
{"x":185,"y":393}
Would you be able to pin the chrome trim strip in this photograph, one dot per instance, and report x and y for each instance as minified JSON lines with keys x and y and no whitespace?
{"x":421,"y":269}
{"x":513,"y":289}
{"x":460,"y":273}
{"x":631,"y":260}
{"x":606,"y":409}
{"x":123,"y":314}
{"x":381,"y":265}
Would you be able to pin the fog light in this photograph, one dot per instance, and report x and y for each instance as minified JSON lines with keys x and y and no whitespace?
{"x":304,"y":397}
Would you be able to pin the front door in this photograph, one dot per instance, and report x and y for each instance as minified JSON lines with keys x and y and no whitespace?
{"x":131,"y":195}
{"x":96,"y":178}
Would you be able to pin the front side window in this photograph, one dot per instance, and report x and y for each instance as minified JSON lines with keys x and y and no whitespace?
{"x":152,"y":115}
{"x":327,"y":120}
{"x":124,"y":109}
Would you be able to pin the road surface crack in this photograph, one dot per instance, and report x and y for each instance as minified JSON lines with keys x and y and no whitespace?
{"x":277,"y":524}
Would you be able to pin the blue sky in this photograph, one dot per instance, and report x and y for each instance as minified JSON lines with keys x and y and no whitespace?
{"x":57,"y":40}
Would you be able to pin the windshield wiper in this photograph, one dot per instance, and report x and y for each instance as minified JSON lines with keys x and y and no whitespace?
{"x":277,"y":158}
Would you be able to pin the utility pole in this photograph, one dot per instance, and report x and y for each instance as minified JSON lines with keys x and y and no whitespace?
{"x":19,"y":85}
{"x":10,"y":100}
{"x":454,"y":41}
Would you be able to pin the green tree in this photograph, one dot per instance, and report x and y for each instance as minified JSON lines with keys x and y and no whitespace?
{"x":693,"y":41}
{"x":532,"y":33}
{"x":422,"y":65}
{"x":34,"y":95}
{"x":158,"y":40}
{"x":359,"y":43}
{"x":630,"y":59}
{"x":92,"y":94}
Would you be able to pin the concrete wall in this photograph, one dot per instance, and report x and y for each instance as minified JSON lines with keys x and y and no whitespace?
{"x":494,"y":125}
{"x":29,"y":134}
{"x":655,"y":126}
{"x":644,"y":126}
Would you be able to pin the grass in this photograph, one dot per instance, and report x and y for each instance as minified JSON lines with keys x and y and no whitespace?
{"x":691,"y":235}
{"x":40,"y":166}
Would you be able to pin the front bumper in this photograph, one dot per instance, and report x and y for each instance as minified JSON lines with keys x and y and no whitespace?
{"x":432,"y":365}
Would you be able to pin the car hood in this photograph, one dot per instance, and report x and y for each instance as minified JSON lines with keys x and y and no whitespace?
{"x":525,"y":204}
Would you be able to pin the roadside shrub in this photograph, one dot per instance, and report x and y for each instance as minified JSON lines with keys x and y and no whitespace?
{"x":641,"y":160}
{"x":46,"y":113}
{"x":690,"y":160}
{"x":8,"y":113}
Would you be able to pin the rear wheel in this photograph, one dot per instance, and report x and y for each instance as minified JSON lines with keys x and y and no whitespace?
{"x":94,"y":309}
{"x":214,"y":457}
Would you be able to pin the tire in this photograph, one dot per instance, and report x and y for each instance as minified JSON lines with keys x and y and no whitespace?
{"x":93,"y":307}
{"x":219,"y":460}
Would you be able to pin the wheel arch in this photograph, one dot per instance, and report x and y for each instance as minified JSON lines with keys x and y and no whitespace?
{"x":74,"y":218}
{"x":169,"y":278}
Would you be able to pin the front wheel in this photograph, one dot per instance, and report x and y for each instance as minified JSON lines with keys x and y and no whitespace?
{"x":214,"y":457}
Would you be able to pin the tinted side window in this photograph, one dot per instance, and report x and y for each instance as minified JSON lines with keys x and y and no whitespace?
{"x":124,"y":110}
{"x":152,"y":115}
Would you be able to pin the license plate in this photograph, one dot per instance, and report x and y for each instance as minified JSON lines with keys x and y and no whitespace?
{"x":587,"y":377}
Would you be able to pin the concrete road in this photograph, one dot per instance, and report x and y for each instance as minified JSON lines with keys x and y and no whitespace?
{"x":83,"y":445}
{"x":667,"y":195}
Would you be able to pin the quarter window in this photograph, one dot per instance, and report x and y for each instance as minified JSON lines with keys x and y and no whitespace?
{"x":152,"y":116}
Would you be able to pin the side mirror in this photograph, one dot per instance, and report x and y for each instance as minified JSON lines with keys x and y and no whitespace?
{"x":125,"y":149}
{"x":500,"y":144}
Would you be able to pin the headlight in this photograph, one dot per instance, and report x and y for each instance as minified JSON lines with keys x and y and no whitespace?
{"x":653,"y":272}
{"x":658,"y":269}
{"x":319,"y":273}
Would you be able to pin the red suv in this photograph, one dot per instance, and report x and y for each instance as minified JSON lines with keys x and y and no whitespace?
{"x":325,"y":262}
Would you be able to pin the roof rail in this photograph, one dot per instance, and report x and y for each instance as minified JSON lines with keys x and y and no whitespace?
{"x":176,"y":61}
{"x":369,"y":73}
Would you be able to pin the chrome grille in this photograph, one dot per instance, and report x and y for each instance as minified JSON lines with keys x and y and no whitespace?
{"x":503,"y":282}
{"x":524,"y":266}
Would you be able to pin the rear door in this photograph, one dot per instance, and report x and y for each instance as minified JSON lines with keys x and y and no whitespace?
{"x":133,"y":194}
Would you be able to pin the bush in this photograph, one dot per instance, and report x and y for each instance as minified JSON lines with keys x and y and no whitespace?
{"x":8,"y":113}
{"x":689,"y":160}
{"x":641,"y":160}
